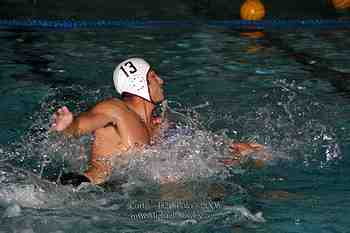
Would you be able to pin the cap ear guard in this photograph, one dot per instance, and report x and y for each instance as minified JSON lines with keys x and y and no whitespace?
{"x":131,"y":76}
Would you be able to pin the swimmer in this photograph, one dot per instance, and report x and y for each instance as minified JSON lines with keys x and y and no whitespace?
{"x":120,"y":126}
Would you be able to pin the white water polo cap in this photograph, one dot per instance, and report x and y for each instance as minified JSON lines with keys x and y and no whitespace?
{"x":131,"y":76}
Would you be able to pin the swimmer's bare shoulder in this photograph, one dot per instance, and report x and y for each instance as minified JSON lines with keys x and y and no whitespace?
{"x":110,"y":107}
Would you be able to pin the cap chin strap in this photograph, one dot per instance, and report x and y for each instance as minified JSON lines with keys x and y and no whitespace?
{"x":154,"y":102}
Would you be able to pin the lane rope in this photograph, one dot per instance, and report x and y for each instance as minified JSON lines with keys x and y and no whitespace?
{"x":233,"y":24}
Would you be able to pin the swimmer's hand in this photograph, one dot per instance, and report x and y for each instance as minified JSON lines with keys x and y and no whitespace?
{"x":73,"y":179}
{"x":240,"y":151}
{"x":62,"y":118}
{"x":158,"y":124}
{"x":157,"y":120}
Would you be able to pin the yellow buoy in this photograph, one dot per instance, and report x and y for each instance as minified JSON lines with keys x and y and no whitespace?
{"x":341,"y":4}
{"x":252,"y":10}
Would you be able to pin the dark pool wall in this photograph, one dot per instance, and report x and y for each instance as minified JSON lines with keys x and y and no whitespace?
{"x":157,"y":9}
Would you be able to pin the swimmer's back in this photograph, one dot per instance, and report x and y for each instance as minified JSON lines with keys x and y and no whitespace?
{"x":127,"y":130}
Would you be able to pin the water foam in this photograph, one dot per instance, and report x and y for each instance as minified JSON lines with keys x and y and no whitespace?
{"x":183,"y":156}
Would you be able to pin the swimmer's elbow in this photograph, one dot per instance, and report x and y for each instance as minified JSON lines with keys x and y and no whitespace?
{"x":98,"y":173}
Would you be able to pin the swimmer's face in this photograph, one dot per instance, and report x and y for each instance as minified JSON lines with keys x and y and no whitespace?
{"x":155,"y":85}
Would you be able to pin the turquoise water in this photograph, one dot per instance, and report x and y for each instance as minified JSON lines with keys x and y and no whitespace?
{"x":288,"y":90}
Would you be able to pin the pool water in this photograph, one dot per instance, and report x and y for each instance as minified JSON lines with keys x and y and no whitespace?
{"x":288,"y":90}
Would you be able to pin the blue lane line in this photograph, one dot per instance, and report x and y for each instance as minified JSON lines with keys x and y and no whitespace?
{"x":234,"y":24}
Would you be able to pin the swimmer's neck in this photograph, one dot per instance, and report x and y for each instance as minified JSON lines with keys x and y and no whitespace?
{"x":141,"y":107}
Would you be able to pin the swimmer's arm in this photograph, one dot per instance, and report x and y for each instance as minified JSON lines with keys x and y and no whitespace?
{"x":99,"y":170}
{"x":99,"y":116}
{"x":241,"y":151}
